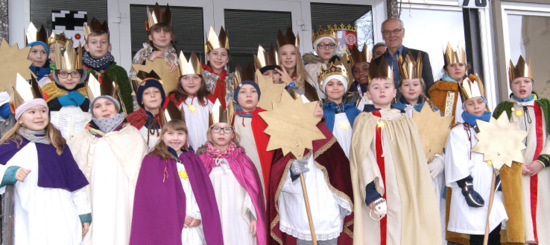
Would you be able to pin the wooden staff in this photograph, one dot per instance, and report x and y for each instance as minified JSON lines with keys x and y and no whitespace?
{"x":308,"y":210}
{"x":491,"y":199}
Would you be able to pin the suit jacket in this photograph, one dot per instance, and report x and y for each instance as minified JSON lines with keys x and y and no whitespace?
{"x":426,"y":67}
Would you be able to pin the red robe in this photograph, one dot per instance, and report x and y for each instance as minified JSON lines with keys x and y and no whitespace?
{"x":327,"y":153}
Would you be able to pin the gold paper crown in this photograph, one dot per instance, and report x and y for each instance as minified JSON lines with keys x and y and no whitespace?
{"x":329,"y":32}
{"x":471,"y":86}
{"x":70,"y":59}
{"x":95,"y":25}
{"x":193,"y":66}
{"x":287,"y":38}
{"x":216,"y":41}
{"x":382,"y":70}
{"x":522,"y":69}
{"x":454,"y":57}
{"x":408,"y":68}
{"x":241,"y":75}
{"x":343,"y":27}
{"x":218,"y":114}
{"x":61,"y":38}
{"x":33,"y":35}
{"x":332,"y":69}
{"x":143,"y":76}
{"x":157,"y":16}
{"x":360,"y":56}
{"x":263,"y":58}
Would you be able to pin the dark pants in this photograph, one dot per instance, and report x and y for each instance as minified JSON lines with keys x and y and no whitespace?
{"x":494,"y":238}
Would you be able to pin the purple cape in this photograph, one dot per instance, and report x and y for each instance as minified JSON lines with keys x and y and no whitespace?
{"x":54,"y":171}
{"x":246,"y":174}
{"x":159,"y":206}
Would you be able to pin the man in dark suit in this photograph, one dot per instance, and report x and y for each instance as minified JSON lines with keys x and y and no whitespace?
{"x":393,"y":33}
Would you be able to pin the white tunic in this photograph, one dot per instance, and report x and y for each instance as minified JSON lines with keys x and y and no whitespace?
{"x":197,"y":121}
{"x":44,"y":215}
{"x":342,"y":132}
{"x":153,"y":138}
{"x":194,"y":235}
{"x":248,"y":142}
{"x":111,"y":164}
{"x":235,"y":206}
{"x":70,"y":120}
{"x":459,"y":165}
{"x":327,"y":209}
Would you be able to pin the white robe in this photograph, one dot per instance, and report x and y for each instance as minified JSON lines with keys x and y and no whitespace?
{"x":44,"y":215}
{"x":235,"y":206}
{"x":197,"y":122}
{"x":248,"y":142}
{"x":461,"y":162}
{"x":193,"y":235}
{"x":327,"y":209}
{"x":111,"y":164}
{"x":342,"y":132}
{"x":153,"y":138}
{"x":70,"y":120}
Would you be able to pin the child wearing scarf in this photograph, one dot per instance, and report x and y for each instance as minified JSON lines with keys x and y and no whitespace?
{"x":109,"y":153}
{"x":39,"y":56}
{"x":237,"y":186}
{"x":218,"y":80}
{"x":531,"y":114}
{"x":174,"y":199}
{"x":469,"y":177}
{"x":51,"y":205}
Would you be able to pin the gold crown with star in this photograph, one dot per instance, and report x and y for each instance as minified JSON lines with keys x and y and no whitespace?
{"x":54,"y":38}
{"x":158,"y":16}
{"x":335,"y":68}
{"x":408,"y":67}
{"x":70,"y":59}
{"x":360,"y":56}
{"x":329,"y":32}
{"x":471,"y":86}
{"x":191,"y":66}
{"x":521,"y":69}
{"x":33,"y":35}
{"x":218,"y":114}
{"x":452,"y":56}
{"x":287,"y":38}
{"x":95,"y":26}
{"x":215,"y":41}
{"x":264,"y":58}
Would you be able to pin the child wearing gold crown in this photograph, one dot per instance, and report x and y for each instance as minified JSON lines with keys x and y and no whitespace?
{"x":189,"y":100}
{"x":39,"y":51}
{"x":109,"y":152}
{"x":339,"y":107}
{"x":161,"y":40}
{"x":55,"y":41}
{"x":360,"y":62}
{"x":100,"y":63}
{"x":394,"y":201}
{"x":324,"y":44}
{"x":236,"y":182}
{"x":531,"y":114}
{"x":219,"y":82}
{"x":469,"y":176}
{"x":174,"y":202}
{"x":149,"y":118}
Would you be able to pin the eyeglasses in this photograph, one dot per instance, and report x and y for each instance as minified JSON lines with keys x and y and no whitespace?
{"x":326,"y":46}
{"x":394,"y":31}
{"x":64,"y":74}
{"x":219,"y":129}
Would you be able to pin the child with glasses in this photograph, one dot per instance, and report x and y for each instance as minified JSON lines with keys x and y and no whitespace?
{"x":237,"y":185}
{"x":324,"y":44}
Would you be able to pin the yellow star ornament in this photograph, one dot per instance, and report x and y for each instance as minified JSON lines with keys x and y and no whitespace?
{"x":433,"y":130}
{"x":500,"y":141}
{"x":271,"y":93}
{"x":12,"y":61}
{"x":292,"y":126}
{"x":169,"y":79}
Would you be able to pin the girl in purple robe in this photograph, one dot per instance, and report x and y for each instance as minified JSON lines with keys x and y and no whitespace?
{"x":237,"y":186}
{"x":51,"y":204}
{"x":174,"y":201}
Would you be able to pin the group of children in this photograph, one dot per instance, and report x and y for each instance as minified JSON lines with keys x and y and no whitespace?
{"x":190,"y":165}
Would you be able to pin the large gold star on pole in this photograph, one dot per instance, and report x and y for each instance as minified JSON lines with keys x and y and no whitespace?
{"x":271,"y":93}
{"x":433,"y":130}
{"x":292,"y":126}
{"x":12,"y":61}
{"x":169,"y":79}
{"x":500,"y":141}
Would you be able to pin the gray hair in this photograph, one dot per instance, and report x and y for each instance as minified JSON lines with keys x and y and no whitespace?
{"x":400,"y":22}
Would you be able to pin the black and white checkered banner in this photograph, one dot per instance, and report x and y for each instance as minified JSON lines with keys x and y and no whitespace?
{"x":70,"y":22}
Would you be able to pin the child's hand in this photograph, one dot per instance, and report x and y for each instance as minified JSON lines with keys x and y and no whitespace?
{"x":190,"y":222}
{"x":155,"y":54}
{"x":534,"y":167}
{"x":525,"y":171}
{"x":21,"y":174}
{"x":85,"y":228}
{"x":284,"y":75}
{"x":253,"y":228}
{"x":371,"y":205}
{"x":173,"y":66}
